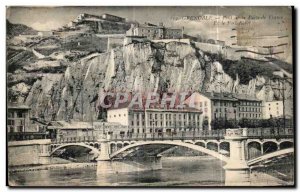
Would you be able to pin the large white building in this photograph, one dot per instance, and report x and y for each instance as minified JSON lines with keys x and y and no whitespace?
{"x":156,"y":120}
{"x":273,"y":109}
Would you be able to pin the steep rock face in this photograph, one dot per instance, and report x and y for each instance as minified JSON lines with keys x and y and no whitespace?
{"x":135,"y":67}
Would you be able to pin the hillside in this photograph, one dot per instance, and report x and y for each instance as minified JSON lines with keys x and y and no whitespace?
{"x":61,"y":78}
{"x":18,"y":29}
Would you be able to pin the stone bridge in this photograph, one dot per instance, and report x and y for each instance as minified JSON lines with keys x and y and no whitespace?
{"x":239,"y":148}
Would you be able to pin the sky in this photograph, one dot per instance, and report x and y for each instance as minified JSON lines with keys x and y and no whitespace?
{"x":208,"y":22}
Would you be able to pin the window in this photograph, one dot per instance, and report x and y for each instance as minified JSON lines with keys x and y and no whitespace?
{"x":200,"y":104}
{"x":20,"y":128}
{"x":124,"y":115}
{"x":132,"y":123}
{"x":20,"y":114}
{"x":114,"y":115}
{"x":155,"y":116}
{"x":150,"y":116}
{"x":11,"y":129}
{"x":119,"y":115}
{"x":10,"y":122}
{"x":10,"y":114}
{"x":205,"y":103}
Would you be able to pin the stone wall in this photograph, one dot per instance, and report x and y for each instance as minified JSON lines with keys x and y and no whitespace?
{"x":31,"y":152}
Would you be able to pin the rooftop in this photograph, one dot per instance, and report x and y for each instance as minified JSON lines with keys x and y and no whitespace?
{"x":220,"y":96}
{"x":229,"y":96}
{"x":17,"y":106}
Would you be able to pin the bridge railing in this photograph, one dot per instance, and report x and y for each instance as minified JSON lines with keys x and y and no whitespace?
{"x":181,"y":135}
{"x":205,"y":134}
{"x":270,"y":132}
{"x":82,"y":139}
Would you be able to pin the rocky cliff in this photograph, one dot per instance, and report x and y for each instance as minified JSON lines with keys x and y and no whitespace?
{"x":135,"y":67}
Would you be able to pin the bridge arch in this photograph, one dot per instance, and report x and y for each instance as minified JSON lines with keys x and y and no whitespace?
{"x":96,"y":145}
{"x":269,"y":147}
{"x":212,"y":146}
{"x":286,"y":144}
{"x":254,"y":149}
{"x":113,"y":147}
{"x":202,"y":144}
{"x":95,"y":151}
{"x":225,"y":146}
{"x":270,"y":155}
{"x":174,"y":143}
{"x":119,"y":146}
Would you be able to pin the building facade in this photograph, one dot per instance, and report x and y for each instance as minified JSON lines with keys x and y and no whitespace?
{"x":113,"y":18}
{"x":154,"y":32}
{"x":18,"y":119}
{"x":156,"y":120}
{"x":250,"y":108}
{"x":226,"y":106}
{"x":272,"y":109}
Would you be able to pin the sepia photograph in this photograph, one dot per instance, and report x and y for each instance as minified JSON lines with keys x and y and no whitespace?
{"x":150,"y":96}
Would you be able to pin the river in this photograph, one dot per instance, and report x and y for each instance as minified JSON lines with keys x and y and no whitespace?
{"x":177,"y":171}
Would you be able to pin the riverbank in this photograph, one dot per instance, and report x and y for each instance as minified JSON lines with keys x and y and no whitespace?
{"x":264,"y":179}
{"x":51,"y":167}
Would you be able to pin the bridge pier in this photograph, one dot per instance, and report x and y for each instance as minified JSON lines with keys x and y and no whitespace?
{"x":237,"y":172}
{"x":105,"y":165}
{"x":104,"y":150}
